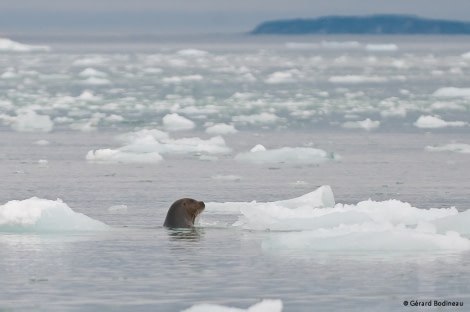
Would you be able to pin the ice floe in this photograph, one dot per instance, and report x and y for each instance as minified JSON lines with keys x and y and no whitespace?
{"x":385,"y":47}
{"x":451,"y":147}
{"x":366,"y":124}
{"x":29,"y":121}
{"x":434,"y":122}
{"x":43,"y":215}
{"x":221,"y":128}
{"x":192,"y":52}
{"x":315,"y":222}
{"x":356,"y":79}
{"x":8,"y":45}
{"x":283,"y":77}
{"x":452,"y":92}
{"x":267,"y":305}
{"x":175,"y":122}
{"x":324,"y":44}
{"x":292,"y":155}
{"x":147,"y":146}
{"x":262,"y":118}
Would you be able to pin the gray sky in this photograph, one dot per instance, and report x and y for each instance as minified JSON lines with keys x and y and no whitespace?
{"x":162,"y":16}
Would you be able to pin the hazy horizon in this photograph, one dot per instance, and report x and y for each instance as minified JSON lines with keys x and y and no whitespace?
{"x":182,"y":16}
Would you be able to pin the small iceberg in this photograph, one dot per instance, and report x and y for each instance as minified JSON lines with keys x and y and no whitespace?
{"x":452,"y":147}
{"x":314,"y":222}
{"x":43,"y":216}
{"x":435,"y":122}
{"x":8,"y":45}
{"x":266,"y":305}
{"x":292,"y":155}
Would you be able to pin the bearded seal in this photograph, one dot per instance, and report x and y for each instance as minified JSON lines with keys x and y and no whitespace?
{"x":183,"y":213}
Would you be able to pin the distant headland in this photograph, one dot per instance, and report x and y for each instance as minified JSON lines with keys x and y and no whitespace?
{"x":372,"y":24}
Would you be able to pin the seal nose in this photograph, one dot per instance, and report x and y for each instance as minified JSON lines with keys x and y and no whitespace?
{"x":202,"y":204}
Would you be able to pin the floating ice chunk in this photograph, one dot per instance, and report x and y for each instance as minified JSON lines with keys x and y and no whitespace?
{"x":295,"y":155}
{"x":89,"y":96}
{"x":118,"y":209}
{"x":267,"y":305}
{"x":263,"y":118}
{"x":43,"y":162}
{"x":387,"y":47}
{"x":42,"y":215}
{"x":120,"y":156}
{"x":452,"y":92}
{"x":366,"y":237}
{"x":133,"y":136}
{"x":7,"y":45}
{"x":369,"y":225}
{"x":146,"y":146}
{"x":221,"y":128}
{"x":466,"y":55}
{"x":179,"y":79}
{"x":227,"y":177}
{"x":280,"y":77}
{"x":356,"y":79}
{"x":192,"y":53}
{"x":175,"y":122}
{"x":114,"y":118}
{"x":340,"y":44}
{"x":302,"y":45}
{"x":90,"y":61}
{"x":30,"y":121}
{"x":9,"y":74}
{"x":433,"y":122}
{"x":85,"y":125}
{"x":366,"y":124}
{"x":452,"y":147}
{"x":96,"y":81}
{"x":334,"y":45}
{"x":42,"y":142}
{"x":91,"y":72}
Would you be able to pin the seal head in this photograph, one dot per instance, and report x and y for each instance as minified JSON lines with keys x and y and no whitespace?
{"x":183,"y":213}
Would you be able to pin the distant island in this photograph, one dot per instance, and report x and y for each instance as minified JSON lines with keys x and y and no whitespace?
{"x":373,"y":24}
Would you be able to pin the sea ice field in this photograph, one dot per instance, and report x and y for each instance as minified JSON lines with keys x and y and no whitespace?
{"x":334,"y":169}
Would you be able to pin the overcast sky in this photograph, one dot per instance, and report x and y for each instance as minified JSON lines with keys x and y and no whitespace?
{"x":163,"y":16}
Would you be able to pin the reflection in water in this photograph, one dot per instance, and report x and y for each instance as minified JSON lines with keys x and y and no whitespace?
{"x":190,"y":234}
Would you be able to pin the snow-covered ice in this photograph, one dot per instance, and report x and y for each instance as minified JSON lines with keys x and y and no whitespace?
{"x":29,"y":121}
{"x":267,"y":305}
{"x":434,"y":122}
{"x":315,"y":222}
{"x":8,"y":45}
{"x":451,"y":92}
{"x":175,"y":122}
{"x":221,"y":129}
{"x":146,"y":146}
{"x":451,"y":147}
{"x":366,"y":124}
{"x":43,"y":215}
{"x":293,"y":155}
{"x":385,"y":47}
{"x":357,"y":79}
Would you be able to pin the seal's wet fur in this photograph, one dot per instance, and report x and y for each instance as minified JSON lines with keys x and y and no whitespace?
{"x":183,"y":213}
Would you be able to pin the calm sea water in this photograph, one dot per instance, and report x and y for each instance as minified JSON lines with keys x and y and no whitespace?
{"x":357,"y":97}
